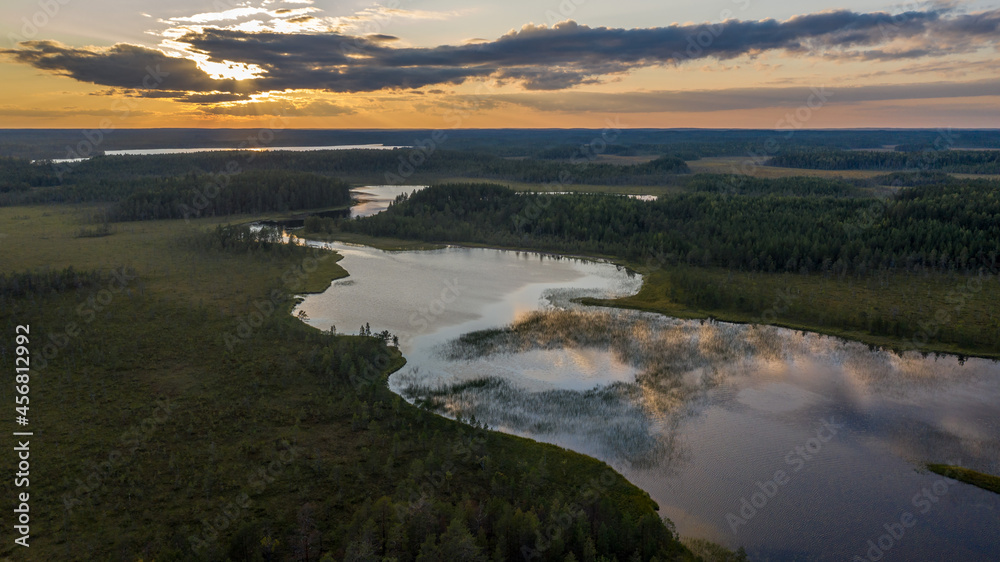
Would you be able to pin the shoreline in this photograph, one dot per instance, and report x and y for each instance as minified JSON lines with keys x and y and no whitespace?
{"x":683,"y":312}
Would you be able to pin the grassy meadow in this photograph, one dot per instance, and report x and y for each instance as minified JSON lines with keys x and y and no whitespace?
{"x":930,"y":312}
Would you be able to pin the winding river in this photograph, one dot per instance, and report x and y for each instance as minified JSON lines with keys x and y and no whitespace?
{"x":793,"y":445}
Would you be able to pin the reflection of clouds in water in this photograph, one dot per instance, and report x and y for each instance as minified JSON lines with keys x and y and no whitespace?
{"x":615,"y":285}
{"x":778,"y":397}
{"x":605,"y":419}
{"x":680,"y":361}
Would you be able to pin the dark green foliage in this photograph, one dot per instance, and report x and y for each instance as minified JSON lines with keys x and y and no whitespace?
{"x":245,"y":193}
{"x":960,"y":161}
{"x":749,"y":185}
{"x":242,"y":238}
{"x":954,"y":226}
{"x":21,"y":175}
{"x":911,"y":179}
{"x":40,"y":283}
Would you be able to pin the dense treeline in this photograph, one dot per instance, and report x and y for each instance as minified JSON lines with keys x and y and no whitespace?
{"x":156,"y":190}
{"x":911,"y":179}
{"x":17,"y":174}
{"x":248,"y":192}
{"x":979,"y":328}
{"x":948,"y":227}
{"x":956,"y":161}
{"x":749,"y":185}
{"x":684,"y":151}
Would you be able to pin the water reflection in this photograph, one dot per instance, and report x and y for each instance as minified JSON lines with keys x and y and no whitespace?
{"x":374,"y":199}
{"x":153,"y":151}
{"x":699,"y":383}
{"x":696,"y":413}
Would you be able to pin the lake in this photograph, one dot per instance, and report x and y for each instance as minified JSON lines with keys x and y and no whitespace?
{"x":151,"y":151}
{"x":794,"y":445}
{"x":368,"y":200}
{"x":374,"y":199}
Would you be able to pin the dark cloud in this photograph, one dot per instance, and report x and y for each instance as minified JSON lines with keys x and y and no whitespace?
{"x":124,"y":66}
{"x":539,"y":57}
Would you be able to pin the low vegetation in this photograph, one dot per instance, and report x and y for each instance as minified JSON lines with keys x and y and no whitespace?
{"x":969,"y":476}
{"x":187,"y":415}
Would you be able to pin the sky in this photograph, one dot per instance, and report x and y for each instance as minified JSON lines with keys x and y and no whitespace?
{"x":435,"y":64}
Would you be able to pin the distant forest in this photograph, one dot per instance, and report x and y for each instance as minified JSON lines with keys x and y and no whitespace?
{"x":957,"y":161}
{"x":147,"y":185}
{"x":535,"y":143}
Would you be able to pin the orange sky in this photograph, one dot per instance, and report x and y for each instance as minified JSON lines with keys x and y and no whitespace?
{"x":913,"y":85}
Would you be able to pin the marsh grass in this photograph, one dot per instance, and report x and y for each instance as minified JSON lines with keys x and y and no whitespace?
{"x":678,"y":363}
{"x":969,"y":476}
{"x":234,"y":412}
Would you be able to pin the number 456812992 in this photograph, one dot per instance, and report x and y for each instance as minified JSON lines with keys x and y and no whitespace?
{"x":22,"y":363}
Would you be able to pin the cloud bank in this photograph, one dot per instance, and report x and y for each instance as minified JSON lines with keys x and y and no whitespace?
{"x":538,"y":57}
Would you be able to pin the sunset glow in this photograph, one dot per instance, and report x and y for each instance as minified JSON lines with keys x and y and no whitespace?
{"x":399,"y":64}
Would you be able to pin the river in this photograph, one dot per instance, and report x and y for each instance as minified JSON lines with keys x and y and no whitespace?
{"x":793,"y":445}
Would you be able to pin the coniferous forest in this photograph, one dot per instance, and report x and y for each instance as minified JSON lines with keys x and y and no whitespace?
{"x":809,"y":226}
{"x":351,"y":470}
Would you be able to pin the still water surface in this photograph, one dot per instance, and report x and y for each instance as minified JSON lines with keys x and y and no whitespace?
{"x":703,"y":416}
{"x":152,"y":151}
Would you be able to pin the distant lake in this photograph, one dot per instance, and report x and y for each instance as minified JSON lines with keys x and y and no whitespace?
{"x":702,"y":415}
{"x":368,"y":200}
{"x":152,"y":151}
{"x":373,"y":199}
